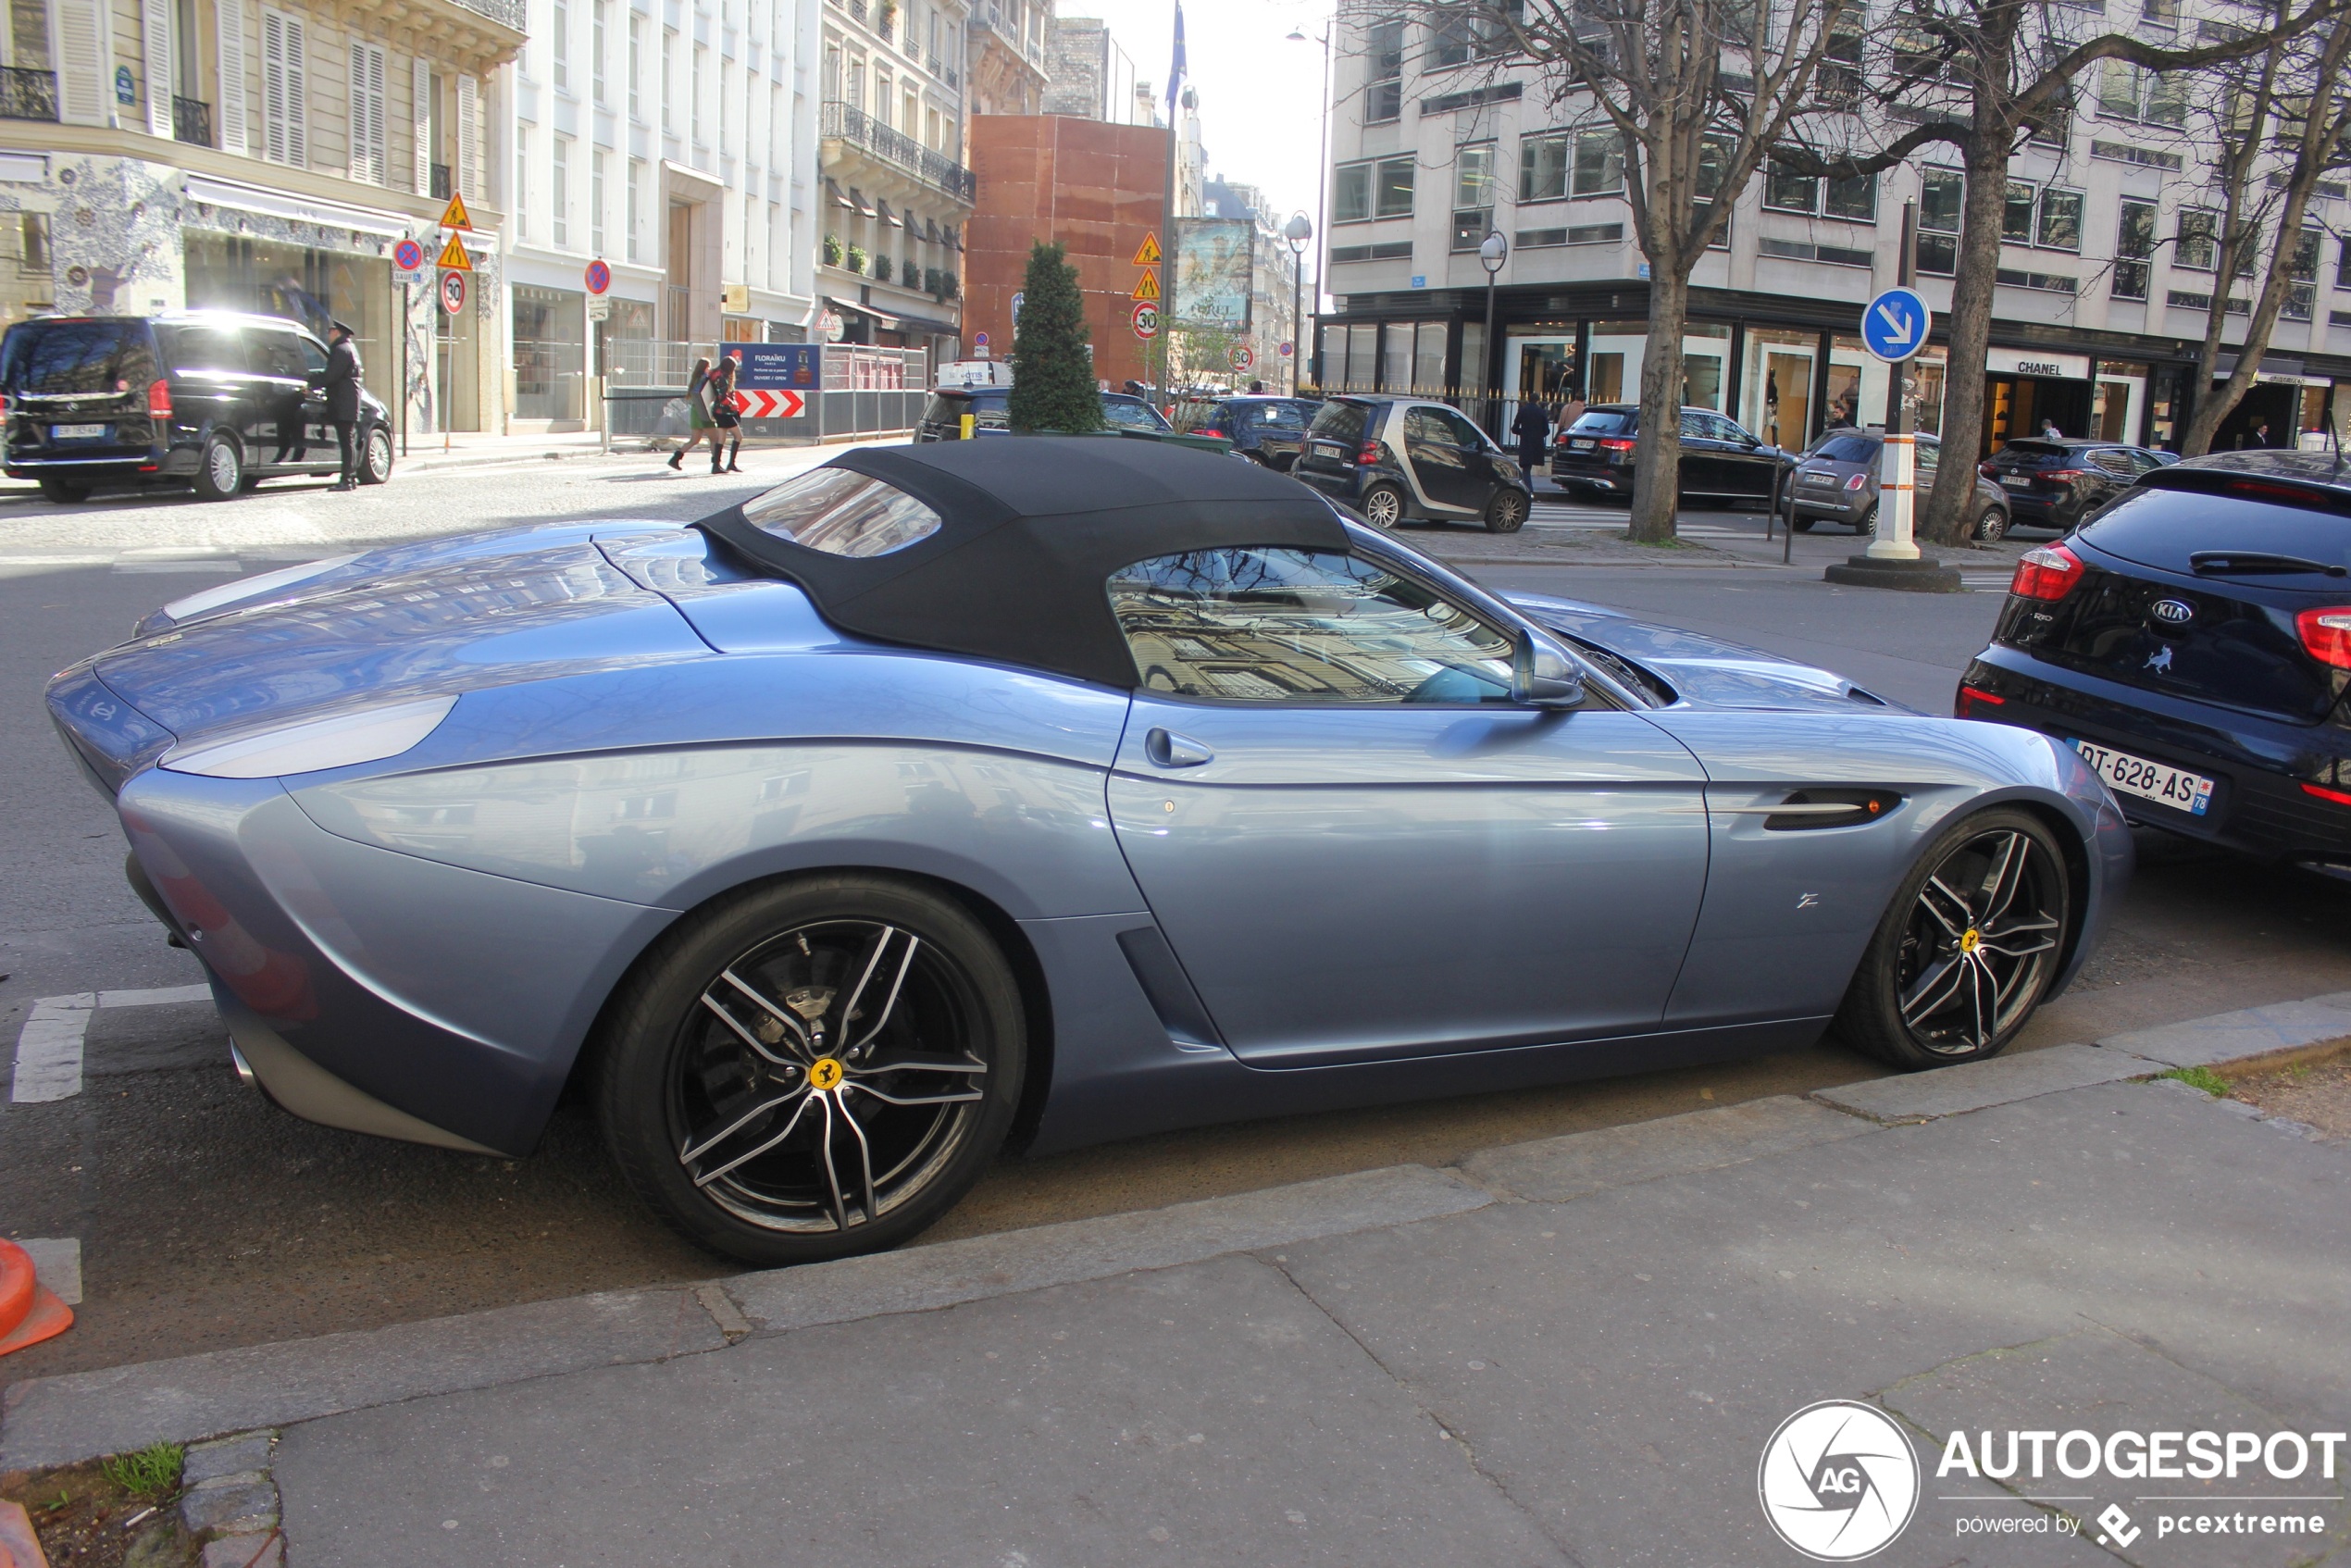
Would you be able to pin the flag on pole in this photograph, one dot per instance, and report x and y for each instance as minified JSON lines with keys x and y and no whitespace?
{"x":1176,"y":70}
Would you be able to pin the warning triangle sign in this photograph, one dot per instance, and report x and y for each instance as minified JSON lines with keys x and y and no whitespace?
{"x":1148,"y":255}
{"x":454,"y":257}
{"x":454,"y":215}
{"x":1147,"y":287}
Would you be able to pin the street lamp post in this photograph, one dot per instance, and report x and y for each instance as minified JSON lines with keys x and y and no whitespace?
{"x":1491,"y":254}
{"x":1322,"y":183}
{"x":1298,"y":230}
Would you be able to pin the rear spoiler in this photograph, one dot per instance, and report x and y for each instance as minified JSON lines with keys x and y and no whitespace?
{"x":2312,"y":493}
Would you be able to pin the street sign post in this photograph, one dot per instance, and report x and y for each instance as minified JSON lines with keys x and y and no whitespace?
{"x":980,"y":345}
{"x":1242,"y":356}
{"x":454,"y":257}
{"x":454,"y":215}
{"x":408,"y":256}
{"x":1288,"y":349}
{"x":1895,"y":326}
{"x":1018,"y":298}
{"x":599,"y":276}
{"x":453,"y":292}
{"x":1146,"y":320}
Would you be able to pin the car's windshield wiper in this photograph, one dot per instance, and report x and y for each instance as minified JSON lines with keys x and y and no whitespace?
{"x":2260,"y":562}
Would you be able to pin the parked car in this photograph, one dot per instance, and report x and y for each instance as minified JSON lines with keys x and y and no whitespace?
{"x":209,"y":399}
{"x":990,"y":410}
{"x":1048,"y":790}
{"x":2193,"y":640}
{"x":2054,"y":484}
{"x":1398,"y":458}
{"x":1721,"y":461}
{"x":1269,"y":429}
{"x":1836,"y":481}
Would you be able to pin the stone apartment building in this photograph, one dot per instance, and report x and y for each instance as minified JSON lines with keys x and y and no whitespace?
{"x":164,"y":155}
{"x":2104,"y":282}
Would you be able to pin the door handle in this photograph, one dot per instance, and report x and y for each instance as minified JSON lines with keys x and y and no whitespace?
{"x":1167,"y":749}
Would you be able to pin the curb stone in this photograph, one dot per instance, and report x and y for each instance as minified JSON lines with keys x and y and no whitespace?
{"x":232,"y":1499}
{"x":1978,"y":1085}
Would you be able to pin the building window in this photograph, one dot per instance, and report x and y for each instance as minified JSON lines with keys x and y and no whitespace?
{"x":2303,"y":268}
{"x":596,"y":202}
{"x":559,"y":45}
{"x":1383,"y":95}
{"x":1790,"y":193}
{"x":2015,"y":213}
{"x":2342,"y":265}
{"x":628,"y":217}
{"x":2196,"y":245}
{"x":1941,"y":199}
{"x":668,"y":79}
{"x":1473,"y":195}
{"x":695,"y":96}
{"x":1381,"y":189}
{"x":522,"y":180}
{"x":2133,"y":246}
{"x":559,"y":192}
{"x":597,"y":44}
{"x":1848,"y":201}
{"x":636,"y":63}
{"x":2060,"y":225}
{"x":285,"y":91}
{"x":2133,"y":92}
{"x":1542,"y":167}
{"x":1600,"y":163}
{"x":367,"y":160}
{"x":1855,"y":200}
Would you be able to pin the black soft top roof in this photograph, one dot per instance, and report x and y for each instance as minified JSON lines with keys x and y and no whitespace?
{"x":1031,"y":529}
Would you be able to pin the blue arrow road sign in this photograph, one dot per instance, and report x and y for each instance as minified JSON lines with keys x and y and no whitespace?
{"x":1895,"y":325}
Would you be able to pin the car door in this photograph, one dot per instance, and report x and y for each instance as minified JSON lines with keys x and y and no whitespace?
{"x":1748,"y":468}
{"x":271,"y":411}
{"x":318,"y":428}
{"x":1705,"y":469}
{"x":210,"y":378}
{"x":1359,"y":847}
{"x":1439,"y":467}
{"x":1482,"y":461}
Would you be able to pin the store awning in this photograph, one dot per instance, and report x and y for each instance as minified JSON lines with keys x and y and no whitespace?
{"x":931,"y":231}
{"x":893,"y":322}
{"x":832,"y":192}
{"x":858,"y":202}
{"x":881,"y":210}
{"x":372,"y":221}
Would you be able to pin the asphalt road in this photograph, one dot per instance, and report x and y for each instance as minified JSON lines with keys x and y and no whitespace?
{"x":206,"y":1219}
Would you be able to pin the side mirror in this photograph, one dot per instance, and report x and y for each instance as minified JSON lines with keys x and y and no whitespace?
{"x":1545,"y":675}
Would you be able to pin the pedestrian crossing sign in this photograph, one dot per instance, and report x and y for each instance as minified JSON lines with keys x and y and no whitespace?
{"x":454,"y":257}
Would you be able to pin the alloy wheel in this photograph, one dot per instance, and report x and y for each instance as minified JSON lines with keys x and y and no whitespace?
{"x":1382,"y":507}
{"x":827,"y":1076}
{"x":220,"y":462}
{"x":1981,"y":943}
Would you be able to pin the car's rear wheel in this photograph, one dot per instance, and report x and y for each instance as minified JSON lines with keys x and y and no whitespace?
{"x":1382,"y":505}
{"x":1969,"y":948}
{"x":812,"y":1068}
{"x":375,"y":460}
{"x":220,"y":469}
{"x":1507,"y":512}
{"x":1992,"y":525}
{"x":64,"y":492}
{"x":1802,"y":525}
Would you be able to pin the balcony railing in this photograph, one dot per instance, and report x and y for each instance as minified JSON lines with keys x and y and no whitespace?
{"x":992,"y":18}
{"x":28,"y":94}
{"x":934,"y":169}
{"x":439,"y":176}
{"x":190,"y":120}
{"x":508,"y":13}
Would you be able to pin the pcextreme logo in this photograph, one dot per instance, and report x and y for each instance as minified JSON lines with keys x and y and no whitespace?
{"x":1839,"y":1481}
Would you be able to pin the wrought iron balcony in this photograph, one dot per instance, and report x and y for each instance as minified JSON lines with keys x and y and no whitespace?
{"x":934,"y":170}
{"x":992,"y":17}
{"x":439,"y":175}
{"x":28,"y":94}
{"x":192,"y":121}
{"x":514,"y":14}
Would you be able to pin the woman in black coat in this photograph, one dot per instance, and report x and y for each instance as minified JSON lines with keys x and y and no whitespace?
{"x":1533,"y":428}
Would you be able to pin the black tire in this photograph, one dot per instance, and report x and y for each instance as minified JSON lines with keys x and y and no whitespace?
{"x":672,"y":1076}
{"x":1802,"y":525}
{"x":375,"y":455}
{"x":1382,"y":505}
{"x":65,"y":492}
{"x":220,"y":468}
{"x":1507,"y":512}
{"x":1992,"y":525}
{"x":1962,"y":901}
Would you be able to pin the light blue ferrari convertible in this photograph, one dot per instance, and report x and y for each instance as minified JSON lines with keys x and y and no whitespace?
{"x":1030,"y":792}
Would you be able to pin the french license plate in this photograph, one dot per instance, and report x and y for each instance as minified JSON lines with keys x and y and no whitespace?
{"x":1826,"y":481}
{"x":1328,"y":449}
{"x":1581,"y":445}
{"x":2177,"y":787}
{"x":77,"y":433}
{"x":2016,"y":481}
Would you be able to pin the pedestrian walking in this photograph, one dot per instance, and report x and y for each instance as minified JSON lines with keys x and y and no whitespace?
{"x":726,"y":426}
{"x":1533,"y":428}
{"x":698,"y":423}
{"x":343,"y":400}
{"x":2260,"y":436}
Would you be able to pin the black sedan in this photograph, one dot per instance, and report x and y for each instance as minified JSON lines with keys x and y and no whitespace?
{"x":2054,"y":484}
{"x":1721,"y":460}
{"x":2192,"y":642}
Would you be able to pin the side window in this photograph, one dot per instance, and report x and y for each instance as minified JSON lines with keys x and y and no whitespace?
{"x":1694,"y":426}
{"x":1422,"y":426}
{"x":2142,"y":461}
{"x":274,"y":355}
{"x":313,"y":358}
{"x":1463,"y":433}
{"x":1730,"y":431}
{"x":203,"y":350}
{"x":1930,"y":454}
{"x":2116,"y":462}
{"x":1264,"y":625}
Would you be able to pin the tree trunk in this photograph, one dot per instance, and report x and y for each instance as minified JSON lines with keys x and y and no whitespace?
{"x":1950,"y":506}
{"x":1657,"y":458}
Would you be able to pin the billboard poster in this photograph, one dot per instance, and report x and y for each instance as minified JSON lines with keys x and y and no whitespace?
{"x":1213,"y":263}
{"x":777,"y":365}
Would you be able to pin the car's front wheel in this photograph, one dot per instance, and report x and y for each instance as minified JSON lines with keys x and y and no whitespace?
{"x":1507,"y":512}
{"x":1802,"y":525}
{"x":1382,"y":505}
{"x":812,"y":1068}
{"x":1992,"y":525}
{"x":375,"y":456}
{"x":220,"y":469}
{"x":1970,"y":947}
{"x":64,"y":492}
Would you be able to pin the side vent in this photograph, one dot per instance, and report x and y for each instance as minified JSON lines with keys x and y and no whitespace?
{"x":1808,"y":809}
{"x":1169,"y":990}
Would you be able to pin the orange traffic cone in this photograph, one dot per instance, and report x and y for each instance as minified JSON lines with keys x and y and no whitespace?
{"x":28,"y":1313}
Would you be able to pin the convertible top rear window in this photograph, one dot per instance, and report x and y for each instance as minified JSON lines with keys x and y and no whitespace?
{"x":843,"y":513}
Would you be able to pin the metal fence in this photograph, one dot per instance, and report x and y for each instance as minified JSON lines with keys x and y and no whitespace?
{"x":859,"y":392}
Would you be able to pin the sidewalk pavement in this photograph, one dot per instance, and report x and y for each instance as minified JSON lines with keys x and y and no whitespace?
{"x":1572,"y":1350}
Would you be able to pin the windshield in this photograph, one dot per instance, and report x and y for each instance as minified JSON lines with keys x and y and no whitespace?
{"x":1131,"y":413}
{"x":1847,"y":449}
{"x":55,"y":358}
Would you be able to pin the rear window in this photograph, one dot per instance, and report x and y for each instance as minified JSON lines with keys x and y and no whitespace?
{"x":1603,"y":422}
{"x":843,"y":513}
{"x":1340,"y":421}
{"x":2030,"y":455}
{"x":48,"y":358}
{"x":1132,"y":414}
{"x":1847,"y":449}
{"x":1281,"y":416}
{"x":991,"y":410}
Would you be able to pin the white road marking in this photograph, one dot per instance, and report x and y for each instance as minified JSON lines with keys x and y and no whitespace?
{"x":49,"y":1047}
{"x":57,"y":1263}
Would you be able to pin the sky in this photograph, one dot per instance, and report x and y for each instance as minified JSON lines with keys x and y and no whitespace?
{"x":1260,"y":96}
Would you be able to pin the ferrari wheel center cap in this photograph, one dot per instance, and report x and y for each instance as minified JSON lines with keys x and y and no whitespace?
{"x":825,"y":1073}
{"x":1970,"y":939}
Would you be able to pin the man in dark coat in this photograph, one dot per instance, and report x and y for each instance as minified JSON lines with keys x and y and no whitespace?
{"x":1533,"y":428}
{"x":343,"y":398}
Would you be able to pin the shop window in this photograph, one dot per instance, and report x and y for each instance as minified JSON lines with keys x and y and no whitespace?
{"x":550,"y":351}
{"x":1599,"y":163}
{"x":1542,"y":167}
{"x":2133,"y":246}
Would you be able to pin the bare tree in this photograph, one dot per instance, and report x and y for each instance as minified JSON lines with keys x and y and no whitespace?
{"x":2293,"y":103}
